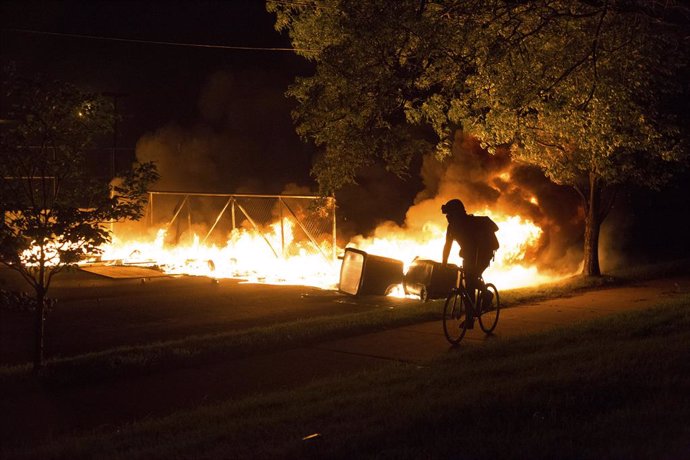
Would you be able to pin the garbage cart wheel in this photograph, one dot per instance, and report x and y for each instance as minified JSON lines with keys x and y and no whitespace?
{"x":424,"y":294}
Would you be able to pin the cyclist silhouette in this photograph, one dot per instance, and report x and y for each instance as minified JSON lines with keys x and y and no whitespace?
{"x":475,"y":235}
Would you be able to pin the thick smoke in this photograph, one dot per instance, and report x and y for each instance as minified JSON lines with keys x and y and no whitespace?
{"x":495,"y":184}
{"x":226,"y":151}
{"x":242,"y":140}
{"x":378,"y":197}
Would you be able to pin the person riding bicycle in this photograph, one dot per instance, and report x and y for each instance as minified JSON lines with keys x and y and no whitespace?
{"x":478,"y":243}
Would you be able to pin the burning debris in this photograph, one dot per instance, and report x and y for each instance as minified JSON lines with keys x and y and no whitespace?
{"x":538,"y":221}
{"x":291,"y":239}
{"x":277,"y":239}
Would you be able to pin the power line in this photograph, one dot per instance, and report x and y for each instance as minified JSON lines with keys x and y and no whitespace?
{"x":293,"y":3}
{"x":155,"y":42}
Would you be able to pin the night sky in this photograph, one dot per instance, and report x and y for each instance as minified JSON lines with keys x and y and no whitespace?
{"x":177,"y":95}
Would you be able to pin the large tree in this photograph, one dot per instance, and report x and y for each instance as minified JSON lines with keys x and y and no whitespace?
{"x":55,"y":209}
{"x":583,"y":89}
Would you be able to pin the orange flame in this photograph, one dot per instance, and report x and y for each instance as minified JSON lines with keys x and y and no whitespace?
{"x":247,"y":255}
{"x":516,"y":235}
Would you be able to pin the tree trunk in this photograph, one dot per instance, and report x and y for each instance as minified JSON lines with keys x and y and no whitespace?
{"x":39,"y":320}
{"x":592,"y":226}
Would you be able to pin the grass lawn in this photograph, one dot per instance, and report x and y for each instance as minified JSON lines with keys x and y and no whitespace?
{"x":617,"y":387}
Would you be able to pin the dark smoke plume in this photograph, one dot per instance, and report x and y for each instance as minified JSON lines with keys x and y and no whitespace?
{"x":242,"y":141}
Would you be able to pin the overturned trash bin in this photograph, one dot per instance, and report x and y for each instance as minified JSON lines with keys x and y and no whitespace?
{"x":430,"y":279}
{"x":362,"y":273}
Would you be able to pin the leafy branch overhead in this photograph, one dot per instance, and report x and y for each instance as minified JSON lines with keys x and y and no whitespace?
{"x":592,"y":92}
{"x":578,"y":88}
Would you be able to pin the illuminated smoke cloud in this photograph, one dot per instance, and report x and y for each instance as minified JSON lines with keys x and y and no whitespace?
{"x":495,"y":184}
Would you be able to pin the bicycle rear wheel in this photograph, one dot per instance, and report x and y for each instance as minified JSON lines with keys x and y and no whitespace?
{"x":454,"y":325}
{"x":489,"y":307}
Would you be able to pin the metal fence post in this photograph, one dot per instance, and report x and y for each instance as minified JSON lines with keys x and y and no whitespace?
{"x":189,"y":220}
{"x":232,"y":209}
{"x":282,"y":228}
{"x":313,"y":223}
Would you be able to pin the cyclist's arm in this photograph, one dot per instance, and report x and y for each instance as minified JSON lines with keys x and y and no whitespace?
{"x":447,"y":247}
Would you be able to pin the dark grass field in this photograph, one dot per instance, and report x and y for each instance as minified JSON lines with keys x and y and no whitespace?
{"x":594,"y":391}
{"x":611,"y":388}
{"x":95,"y":314}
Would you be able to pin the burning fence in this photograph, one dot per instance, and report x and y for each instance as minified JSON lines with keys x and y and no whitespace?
{"x":291,"y":239}
{"x":279,"y":239}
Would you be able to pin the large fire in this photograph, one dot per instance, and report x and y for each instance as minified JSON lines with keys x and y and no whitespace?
{"x":247,"y":254}
{"x":291,"y":239}
{"x":250,"y":255}
{"x":516,"y":236}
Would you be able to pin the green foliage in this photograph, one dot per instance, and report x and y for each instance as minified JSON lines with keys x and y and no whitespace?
{"x":55,"y":210}
{"x":581,"y":89}
{"x":591,"y":92}
{"x":367,"y":56}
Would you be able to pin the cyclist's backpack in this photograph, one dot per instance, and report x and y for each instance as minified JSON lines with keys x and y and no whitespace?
{"x":485,"y":233}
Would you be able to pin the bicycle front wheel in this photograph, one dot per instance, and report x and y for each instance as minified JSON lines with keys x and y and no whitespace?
{"x":454,"y":325}
{"x":489,"y":308}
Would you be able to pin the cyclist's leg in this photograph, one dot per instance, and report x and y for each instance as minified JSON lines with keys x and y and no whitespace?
{"x":471,"y":284}
{"x":474,"y":276}
{"x":483,"y":261}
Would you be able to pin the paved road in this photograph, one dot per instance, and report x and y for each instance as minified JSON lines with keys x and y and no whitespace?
{"x":55,"y":411}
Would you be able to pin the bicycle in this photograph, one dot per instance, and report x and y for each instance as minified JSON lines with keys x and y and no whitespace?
{"x":456,"y":313}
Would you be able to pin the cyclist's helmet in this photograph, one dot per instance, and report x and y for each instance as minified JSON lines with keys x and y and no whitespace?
{"x":454,"y":206}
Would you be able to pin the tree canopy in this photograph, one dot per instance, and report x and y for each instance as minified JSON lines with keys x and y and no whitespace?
{"x":590,"y":91}
{"x":573,"y":87}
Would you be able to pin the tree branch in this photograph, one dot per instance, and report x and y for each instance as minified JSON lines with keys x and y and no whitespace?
{"x":583,"y":196}
{"x":606,"y":208}
{"x":594,"y":57}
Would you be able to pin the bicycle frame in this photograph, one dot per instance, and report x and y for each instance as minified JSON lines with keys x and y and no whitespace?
{"x":464,"y":291}
{"x":456,"y":317}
